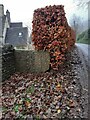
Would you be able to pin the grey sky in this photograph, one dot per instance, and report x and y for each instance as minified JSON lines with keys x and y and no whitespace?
{"x":22,"y":10}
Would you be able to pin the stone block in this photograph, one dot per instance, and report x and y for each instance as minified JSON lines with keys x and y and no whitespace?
{"x":31,"y":61}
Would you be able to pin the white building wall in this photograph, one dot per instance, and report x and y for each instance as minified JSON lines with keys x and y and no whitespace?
{"x":5,"y":29}
{"x":1,"y":10}
{"x":1,"y":39}
{"x":89,"y":14}
{"x":6,"y":25}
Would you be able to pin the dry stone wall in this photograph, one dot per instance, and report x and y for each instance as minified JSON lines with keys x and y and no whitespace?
{"x":7,"y":61}
{"x":0,"y":64}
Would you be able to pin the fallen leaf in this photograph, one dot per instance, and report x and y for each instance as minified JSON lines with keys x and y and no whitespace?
{"x":58,"y":87}
{"x":30,"y":89}
{"x":19,"y":89}
{"x":28,"y":104}
{"x":16,"y":108}
{"x":71,"y":103}
{"x":13,"y":113}
{"x":59,"y":111}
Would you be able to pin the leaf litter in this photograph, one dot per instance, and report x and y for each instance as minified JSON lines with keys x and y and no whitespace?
{"x":53,"y":94}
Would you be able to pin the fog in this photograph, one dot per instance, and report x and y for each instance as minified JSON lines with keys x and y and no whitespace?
{"x":22,"y":10}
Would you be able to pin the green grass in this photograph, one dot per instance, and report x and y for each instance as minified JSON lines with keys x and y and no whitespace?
{"x":84,"y":37}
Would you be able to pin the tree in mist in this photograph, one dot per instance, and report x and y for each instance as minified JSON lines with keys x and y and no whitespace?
{"x":81,"y":3}
{"x":76,"y":23}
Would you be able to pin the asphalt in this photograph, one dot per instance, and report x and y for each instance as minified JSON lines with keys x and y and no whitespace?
{"x":84,"y":48}
{"x":84,"y":70}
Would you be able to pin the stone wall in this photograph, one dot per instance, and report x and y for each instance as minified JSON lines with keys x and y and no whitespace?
{"x":8,"y":61}
{"x":32,"y":61}
{"x":0,"y":64}
{"x":12,"y":61}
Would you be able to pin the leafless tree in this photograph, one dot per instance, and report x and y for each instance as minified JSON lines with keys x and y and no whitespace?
{"x":76,"y":24}
{"x":81,"y":3}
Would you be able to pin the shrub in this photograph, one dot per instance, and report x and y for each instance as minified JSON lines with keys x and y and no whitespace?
{"x":51,"y":32}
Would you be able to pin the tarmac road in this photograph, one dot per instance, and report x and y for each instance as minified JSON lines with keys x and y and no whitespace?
{"x":83,"y":50}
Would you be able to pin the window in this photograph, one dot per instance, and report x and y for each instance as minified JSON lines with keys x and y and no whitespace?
{"x":20,"y":34}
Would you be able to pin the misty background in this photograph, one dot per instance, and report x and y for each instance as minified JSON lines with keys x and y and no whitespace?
{"x":77,"y":12}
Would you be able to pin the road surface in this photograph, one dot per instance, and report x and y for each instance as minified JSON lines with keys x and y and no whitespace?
{"x":85,"y":74}
{"x":85,"y":50}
